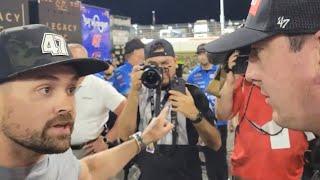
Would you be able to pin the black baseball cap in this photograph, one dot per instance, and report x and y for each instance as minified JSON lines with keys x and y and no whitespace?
{"x":30,"y":47}
{"x":159,"y":47}
{"x":267,"y":18}
{"x":133,"y":45}
{"x":201,"y":49}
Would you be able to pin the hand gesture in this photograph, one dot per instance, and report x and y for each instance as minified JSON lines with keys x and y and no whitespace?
{"x":157,"y":128}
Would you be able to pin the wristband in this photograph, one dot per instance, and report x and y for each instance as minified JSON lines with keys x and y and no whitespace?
{"x":198,"y":119}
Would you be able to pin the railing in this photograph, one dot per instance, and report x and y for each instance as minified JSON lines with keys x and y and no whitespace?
{"x":209,"y":28}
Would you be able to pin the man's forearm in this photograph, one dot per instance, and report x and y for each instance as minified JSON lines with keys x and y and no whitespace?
{"x":108,"y":163}
{"x":209,"y":134}
{"x":225,"y":102}
{"x":127,"y":121}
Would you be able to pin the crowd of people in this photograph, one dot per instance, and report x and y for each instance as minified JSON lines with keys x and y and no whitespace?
{"x":145,"y":121}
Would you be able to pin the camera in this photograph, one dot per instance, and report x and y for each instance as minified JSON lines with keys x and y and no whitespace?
{"x":152,"y":76}
{"x":222,"y":58}
{"x":178,"y":84}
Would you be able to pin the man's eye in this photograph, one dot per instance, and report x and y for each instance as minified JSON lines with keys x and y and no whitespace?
{"x":72,"y":90}
{"x":45,"y":90}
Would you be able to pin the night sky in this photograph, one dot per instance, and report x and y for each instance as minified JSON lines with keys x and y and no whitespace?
{"x":174,"y":11}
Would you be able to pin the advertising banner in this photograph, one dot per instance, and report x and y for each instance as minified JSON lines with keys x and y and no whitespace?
{"x":13,"y":13}
{"x":63,"y":16}
{"x":95,"y":25}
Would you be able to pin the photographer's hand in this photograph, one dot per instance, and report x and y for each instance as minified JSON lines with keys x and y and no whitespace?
{"x":136,"y":78}
{"x":183,"y":103}
{"x":231,"y":63}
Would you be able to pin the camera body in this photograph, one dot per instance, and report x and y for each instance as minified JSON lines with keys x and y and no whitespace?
{"x":152,"y":76}
{"x":178,"y":84}
{"x":222,"y":58}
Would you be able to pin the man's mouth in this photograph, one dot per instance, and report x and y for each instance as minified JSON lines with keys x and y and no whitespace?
{"x":63,"y":128}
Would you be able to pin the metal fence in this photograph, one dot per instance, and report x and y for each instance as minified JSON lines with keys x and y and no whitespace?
{"x":212,"y":28}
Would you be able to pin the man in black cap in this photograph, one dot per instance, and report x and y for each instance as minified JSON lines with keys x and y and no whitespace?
{"x":176,"y":156}
{"x":134,"y":55}
{"x":284,"y":60}
{"x":284,"y":36}
{"x":38,"y":80}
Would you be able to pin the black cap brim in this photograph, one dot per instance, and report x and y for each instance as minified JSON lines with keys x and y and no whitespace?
{"x":87,"y":66}
{"x":83,"y":66}
{"x":240,"y":38}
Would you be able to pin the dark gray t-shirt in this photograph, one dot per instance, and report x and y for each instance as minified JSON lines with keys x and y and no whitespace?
{"x":51,"y":167}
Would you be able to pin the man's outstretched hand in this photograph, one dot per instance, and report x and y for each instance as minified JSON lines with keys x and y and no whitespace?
{"x":157,"y":128}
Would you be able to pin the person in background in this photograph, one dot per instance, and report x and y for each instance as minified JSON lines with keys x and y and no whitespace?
{"x":95,"y":98}
{"x":202,"y":75}
{"x":109,"y":73}
{"x":134,"y":55}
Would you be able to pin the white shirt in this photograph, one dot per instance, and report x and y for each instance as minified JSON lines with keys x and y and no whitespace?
{"x":94,"y":99}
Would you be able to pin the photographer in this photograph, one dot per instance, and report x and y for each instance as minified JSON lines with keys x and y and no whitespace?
{"x":257,"y":152}
{"x":175,"y":156}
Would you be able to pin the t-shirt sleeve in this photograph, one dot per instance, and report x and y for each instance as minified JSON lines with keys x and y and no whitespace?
{"x":122,"y":82}
{"x":110,"y":96}
{"x":68,"y":166}
{"x":238,"y":96}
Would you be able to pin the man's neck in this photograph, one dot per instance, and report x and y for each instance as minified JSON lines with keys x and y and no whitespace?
{"x":13,"y":155}
{"x":206,"y":66}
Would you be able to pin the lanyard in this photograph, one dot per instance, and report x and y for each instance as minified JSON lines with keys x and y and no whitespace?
{"x":155,"y":112}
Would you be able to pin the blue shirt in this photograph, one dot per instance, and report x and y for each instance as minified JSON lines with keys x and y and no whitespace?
{"x":122,"y":79}
{"x":202,"y":78}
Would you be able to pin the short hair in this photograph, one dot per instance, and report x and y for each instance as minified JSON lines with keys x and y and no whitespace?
{"x":76,"y":45}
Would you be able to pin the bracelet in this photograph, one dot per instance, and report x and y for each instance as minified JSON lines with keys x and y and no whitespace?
{"x":137,"y":137}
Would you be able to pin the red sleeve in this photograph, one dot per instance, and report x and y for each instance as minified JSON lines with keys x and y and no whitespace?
{"x":238,"y":95}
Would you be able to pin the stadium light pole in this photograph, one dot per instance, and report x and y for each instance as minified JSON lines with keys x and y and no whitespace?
{"x":222,"y":16}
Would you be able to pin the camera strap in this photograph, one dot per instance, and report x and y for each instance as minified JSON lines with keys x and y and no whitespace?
{"x":157,"y":106}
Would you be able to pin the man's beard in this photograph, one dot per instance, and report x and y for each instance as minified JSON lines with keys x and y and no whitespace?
{"x":204,"y":63}
{"x":40,"y":141}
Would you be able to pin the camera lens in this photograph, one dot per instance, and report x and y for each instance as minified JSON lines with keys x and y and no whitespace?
{"x":151,"y":77}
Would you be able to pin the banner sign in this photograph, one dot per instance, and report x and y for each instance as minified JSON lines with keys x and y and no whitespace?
{"x":13,"y":13}
{"x":95,"y":25}
{"x":62,"y":16}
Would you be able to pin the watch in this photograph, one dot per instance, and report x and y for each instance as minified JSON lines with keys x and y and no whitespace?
{"x":138,"y":138}
{"x":198,"y":118}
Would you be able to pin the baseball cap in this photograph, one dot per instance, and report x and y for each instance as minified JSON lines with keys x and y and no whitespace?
{"x":201,"y":49}
{"x":267,"y":18}
{"x":30,"y":47}
{"x":133,"y":45}
{"x":159,"y":47}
